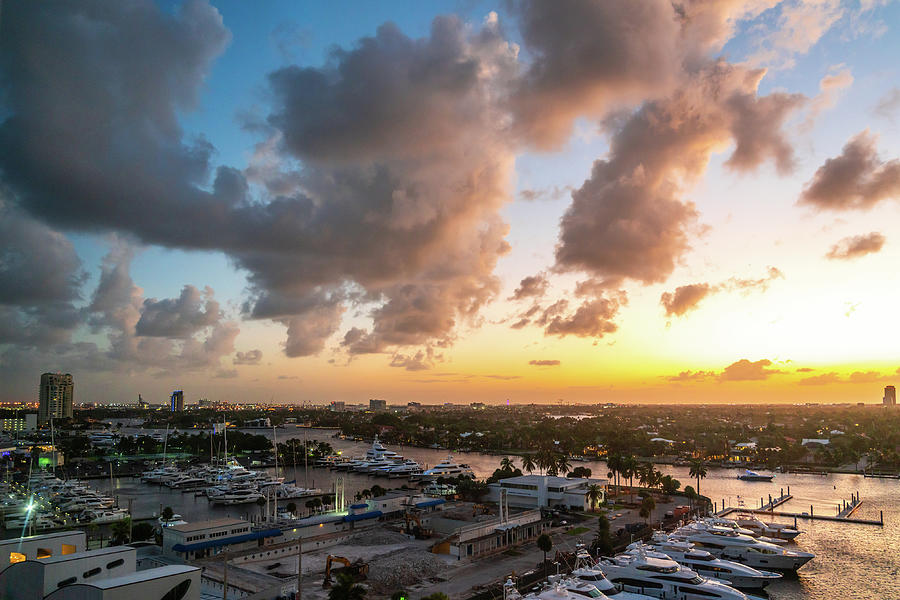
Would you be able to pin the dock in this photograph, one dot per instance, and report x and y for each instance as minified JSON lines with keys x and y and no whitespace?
{"x":844,"y":512}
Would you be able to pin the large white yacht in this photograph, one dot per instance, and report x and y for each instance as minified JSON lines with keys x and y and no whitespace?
{"x":448,"y":468}
{"x":728,"y":543}
{"x":237,"y":496}
{"x":664,"y":578}
{"x":771,"y":530}
{"x":587,"y":570}
{"x":705,"y":563}
{"x":100,"y":516}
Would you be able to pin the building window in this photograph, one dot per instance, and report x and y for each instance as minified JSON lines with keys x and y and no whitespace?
{"x":44,"y":553}
{"x":178,"y":592}
{"x":66,"y":582}
{"x":68,"y":549}
{"x":91,"y":573}
{"x":16,"y":557}
{"x":116,"y":563}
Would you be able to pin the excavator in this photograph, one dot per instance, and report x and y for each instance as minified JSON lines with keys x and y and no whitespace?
{"x":484,"y":508}
{"x":418,"y":531}
{"x":358,"y":570}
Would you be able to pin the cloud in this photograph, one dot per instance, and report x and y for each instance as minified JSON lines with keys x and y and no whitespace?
{"x":250,"y":357}
{"x":381,"y":174}
{"x":685,"y":298}
{"x":761,"y":284}
{"x":745,"y":370}
{"x":823,"y":379}
{"x":830,"y":88}
{"x":805,"y":370}
{"x":40,"y":280}
{"x":225,"y":374}
{"x":691,"y":376}
{"x":594,"y":318}
{"x":857,"y":246}
{"x":503,"y":377}
{"x":799,"y":27}
{"x":553,"y":193}
{"x":544,"y":363}
{"x":419,"y":362}
{"x":629,"y":219}
{"x":179,"y":317}
{"x":856,"y":179}
{"x":531,"y":286}
{"x":887,"y":105}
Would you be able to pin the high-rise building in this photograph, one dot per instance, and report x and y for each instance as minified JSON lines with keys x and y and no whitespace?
{"x":57,"y":395}
{"x":177,"y":401}
{"x":890,"y":396}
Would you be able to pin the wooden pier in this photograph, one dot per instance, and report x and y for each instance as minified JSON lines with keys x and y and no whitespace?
{"x":844,"y":513}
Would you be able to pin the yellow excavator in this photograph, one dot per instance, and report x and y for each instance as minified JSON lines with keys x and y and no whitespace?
{"x":357,"y":569}
{"x":418,"y":531}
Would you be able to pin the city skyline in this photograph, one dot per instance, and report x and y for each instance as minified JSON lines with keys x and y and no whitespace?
{"x":463,"y":202}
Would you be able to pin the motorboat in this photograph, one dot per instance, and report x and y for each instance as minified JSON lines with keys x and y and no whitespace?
{"x":749,"y":475}
{"x":175,"y":519}
{"x":185,"y":482}
{"x":735,"y":526}
{"x":439,"y":489}
{"x":448,"y":468}
{"x":729,"y":544}
{"x":237,"y":496}
{"x":586,"y":570}
{"x":99,"y":516}
{"x":704,"y":563}
{"x":664,"y":578}
{"x":772,"y":530}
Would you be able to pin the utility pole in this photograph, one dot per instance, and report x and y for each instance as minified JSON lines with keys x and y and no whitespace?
{"x":299,"y":567}
{"x":224,"y":575}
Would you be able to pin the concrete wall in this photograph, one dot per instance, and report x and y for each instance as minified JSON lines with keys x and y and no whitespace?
{"x":34,"y":579}
{"x":56,"y":543}
{"x":156,"y":584}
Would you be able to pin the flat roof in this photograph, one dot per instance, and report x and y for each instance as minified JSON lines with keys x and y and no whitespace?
{"x":43,"y":536}
{"x":213,"y":524}
{"x":138,"y":576}
{"x":550,"y":480}
{"x":88,"y":554}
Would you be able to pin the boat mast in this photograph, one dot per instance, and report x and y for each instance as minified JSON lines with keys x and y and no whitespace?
{"x":165,"y":444}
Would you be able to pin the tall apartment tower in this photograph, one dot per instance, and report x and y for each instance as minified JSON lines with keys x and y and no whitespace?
{"x":890,"y":396}
{"x":177,"y":401}
{"x":57,"y":395}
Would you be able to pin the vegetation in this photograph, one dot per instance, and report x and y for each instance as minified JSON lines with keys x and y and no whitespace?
{"x":545,"y":545}
{"x":345,"y":588}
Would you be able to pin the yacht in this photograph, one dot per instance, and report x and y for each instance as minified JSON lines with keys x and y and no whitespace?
{"x":379,"y":452}
{"x":772,"y":530}
{"x":160,"y":474}
{"x":749,"y":475}
{"x":99,"y":516}
{"x":704,"y":563}
{"x":664,"y":578}
{"x":586,"y":570}
{"x":237,"y":496}
{"x":727,"y":543}
{"x":185,"y":482}
{"x":448,"y":468}
{"x":735,"y":526}
{"x":176,"y":519}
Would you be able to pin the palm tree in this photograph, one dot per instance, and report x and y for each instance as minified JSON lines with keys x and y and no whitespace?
{"x":506,"y":464}
{"x":120,"y":530}
{"x":698,"y":470}
{"x":630,"y":467}
{"x":528,"y":463}
{"x":594,"y":493}
{"x":645,"y":474}
{"x":545,"y":544}
{"x":614,"y":464}
{"x":562,"y":464}
{"x":346,"y":589}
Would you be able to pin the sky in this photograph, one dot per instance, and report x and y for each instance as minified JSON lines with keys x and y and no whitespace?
{"x":523,"y":201}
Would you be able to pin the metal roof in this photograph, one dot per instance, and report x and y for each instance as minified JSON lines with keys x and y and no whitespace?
{"x":372,"y":514}
{"x":430,"y":503}
{"x":235,"y":539}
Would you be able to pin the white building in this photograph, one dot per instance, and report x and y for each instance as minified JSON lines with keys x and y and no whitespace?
{"x":40,"y":546}
{"x":104,"y":574}
{"x":545,"y":491}
{"x":207,"y":538}
{"x":27,"y":422}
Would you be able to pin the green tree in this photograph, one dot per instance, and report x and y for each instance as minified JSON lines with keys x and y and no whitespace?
{"x":142,"y":531}
{"x":345,"y":588}
{"x":603,"y":544}
{"x":507,"y":464}
{"x":291,"y":508}
{"x":528,"y":464}
{"x":377,"y":491}
{"x":594,"y":493}
{"x":167,"y":513}
{"x":669,"y":484}
{"x":399,"y":595}
{"x":545,"y":544}
{"x":562,"y":464}
{"x":647,"y":506}
{"x":119,"y":531}
{"x":698,"y":471}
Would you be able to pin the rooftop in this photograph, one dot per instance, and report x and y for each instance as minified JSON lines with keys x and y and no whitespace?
{"x":201,"y":525}
{"x":88,"y":553}
{"x":137,"y":576}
